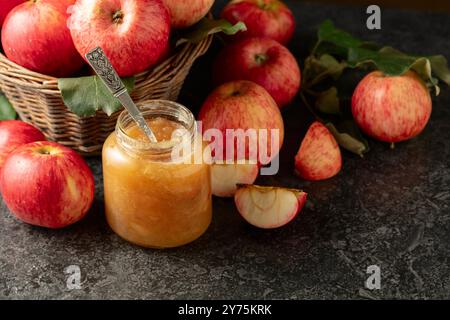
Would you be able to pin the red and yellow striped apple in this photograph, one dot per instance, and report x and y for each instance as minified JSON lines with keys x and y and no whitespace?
{"x":184,"y":14}
{"x":319,"y":156}
{"x":263,"y":18}
{"x":245,"y":106}
{"x":226,"y":177}
{"x":133,"y":33}
{"x":46,"y":184}
{"x":392,"y":109}
{"x":15,"y":133}
{"x":263,"y":61}
{"x":35,"y":36}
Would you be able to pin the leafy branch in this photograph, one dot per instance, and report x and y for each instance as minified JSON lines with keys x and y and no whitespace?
{"x":337,"y":51}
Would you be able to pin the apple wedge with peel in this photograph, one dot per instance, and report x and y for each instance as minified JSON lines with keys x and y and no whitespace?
{"x":269,"y":207}
{"x":226,"y":177}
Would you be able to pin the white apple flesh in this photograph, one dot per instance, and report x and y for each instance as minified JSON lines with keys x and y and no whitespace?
{"x":226,"y":177}
{"x":269,"y":207}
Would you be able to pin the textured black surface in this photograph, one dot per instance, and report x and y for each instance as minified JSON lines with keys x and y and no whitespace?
{"x":390,"y":209}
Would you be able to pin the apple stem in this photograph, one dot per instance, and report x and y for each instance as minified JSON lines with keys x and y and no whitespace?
{"x":264,"y":5}
{"x":392,"y":146}
{"x":118,"y":16}
{"x":261,"y":58}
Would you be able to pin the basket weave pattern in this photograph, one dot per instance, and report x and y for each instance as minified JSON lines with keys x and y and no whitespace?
{"x":37,"y":99}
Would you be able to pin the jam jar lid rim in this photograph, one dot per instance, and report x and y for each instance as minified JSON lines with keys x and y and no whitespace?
{"x":155,"y":107}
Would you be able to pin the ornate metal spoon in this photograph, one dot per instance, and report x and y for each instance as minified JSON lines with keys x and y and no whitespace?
{"x":102,"y":66}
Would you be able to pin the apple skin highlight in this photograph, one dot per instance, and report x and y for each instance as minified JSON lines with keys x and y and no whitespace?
{"x":392,"y":109}
{"x":47,"y":185}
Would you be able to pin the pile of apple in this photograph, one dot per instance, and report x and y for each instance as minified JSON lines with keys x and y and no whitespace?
{"x":53,"y":36}
{"x":42,"y":183}
{"x":258,"y":76}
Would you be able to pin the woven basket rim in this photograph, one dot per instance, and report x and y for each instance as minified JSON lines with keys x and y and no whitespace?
{"x":47,"y":78}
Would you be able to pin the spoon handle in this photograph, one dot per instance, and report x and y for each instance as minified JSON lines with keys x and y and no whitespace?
{"x":104,"y":69}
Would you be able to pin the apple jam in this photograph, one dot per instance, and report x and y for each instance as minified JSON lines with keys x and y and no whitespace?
{"x":152,"y":199}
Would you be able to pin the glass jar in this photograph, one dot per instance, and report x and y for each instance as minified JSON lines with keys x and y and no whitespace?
{"x":152,"y":199}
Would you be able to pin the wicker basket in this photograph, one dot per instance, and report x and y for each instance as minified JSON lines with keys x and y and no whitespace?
{"x":37,"y":99}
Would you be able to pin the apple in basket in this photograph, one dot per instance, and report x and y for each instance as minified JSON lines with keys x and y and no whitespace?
{"x":35,"y":36}
{"x":184,"y":14}
{"x":6,"y":6}
{"x":46,"y":184}
{"x":134,"y":34}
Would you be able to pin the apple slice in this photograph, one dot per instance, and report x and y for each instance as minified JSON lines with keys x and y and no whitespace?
{"x":226,"y":177}
{"x":319,"y":156}
{"x":269,"y":207}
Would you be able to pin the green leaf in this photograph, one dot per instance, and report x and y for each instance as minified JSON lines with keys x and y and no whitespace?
{"x":328,"y":101}
{"x":329,"y":33}
{"x":316,"y":70}
{"x":207,"y":27}
{"x":84,"y":96}
{"x":393,"y":63}
{"x":440,"y":68}
{"x":349,"y":138}
{"x":330,"y":64}
{"x":7,"y":111}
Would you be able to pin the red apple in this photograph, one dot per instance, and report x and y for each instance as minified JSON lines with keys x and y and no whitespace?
{"x":319,"y":157}
{"x":184,"y":14}
{"x":133,"y":33}
{"x":35,"y":36}
{"x":261,"y":60}
{"x":269,"y":207}
{"x":226,"y":177}
{"x":244,"y":107}
{"x":392,"y":109}
{"x":13,"y":134}
{"x":263,"y":18}
{"x":46,"y":184}
{"x":6,"y":6}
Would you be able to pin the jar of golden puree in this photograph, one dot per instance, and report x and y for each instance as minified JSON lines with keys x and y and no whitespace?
{"x":157,"y":195}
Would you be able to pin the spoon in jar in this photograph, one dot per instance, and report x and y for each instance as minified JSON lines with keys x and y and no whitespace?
{"x":104,"y":69}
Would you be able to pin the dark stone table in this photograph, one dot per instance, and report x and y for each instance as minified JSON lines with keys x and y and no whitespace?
{"x":390,"y":209}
